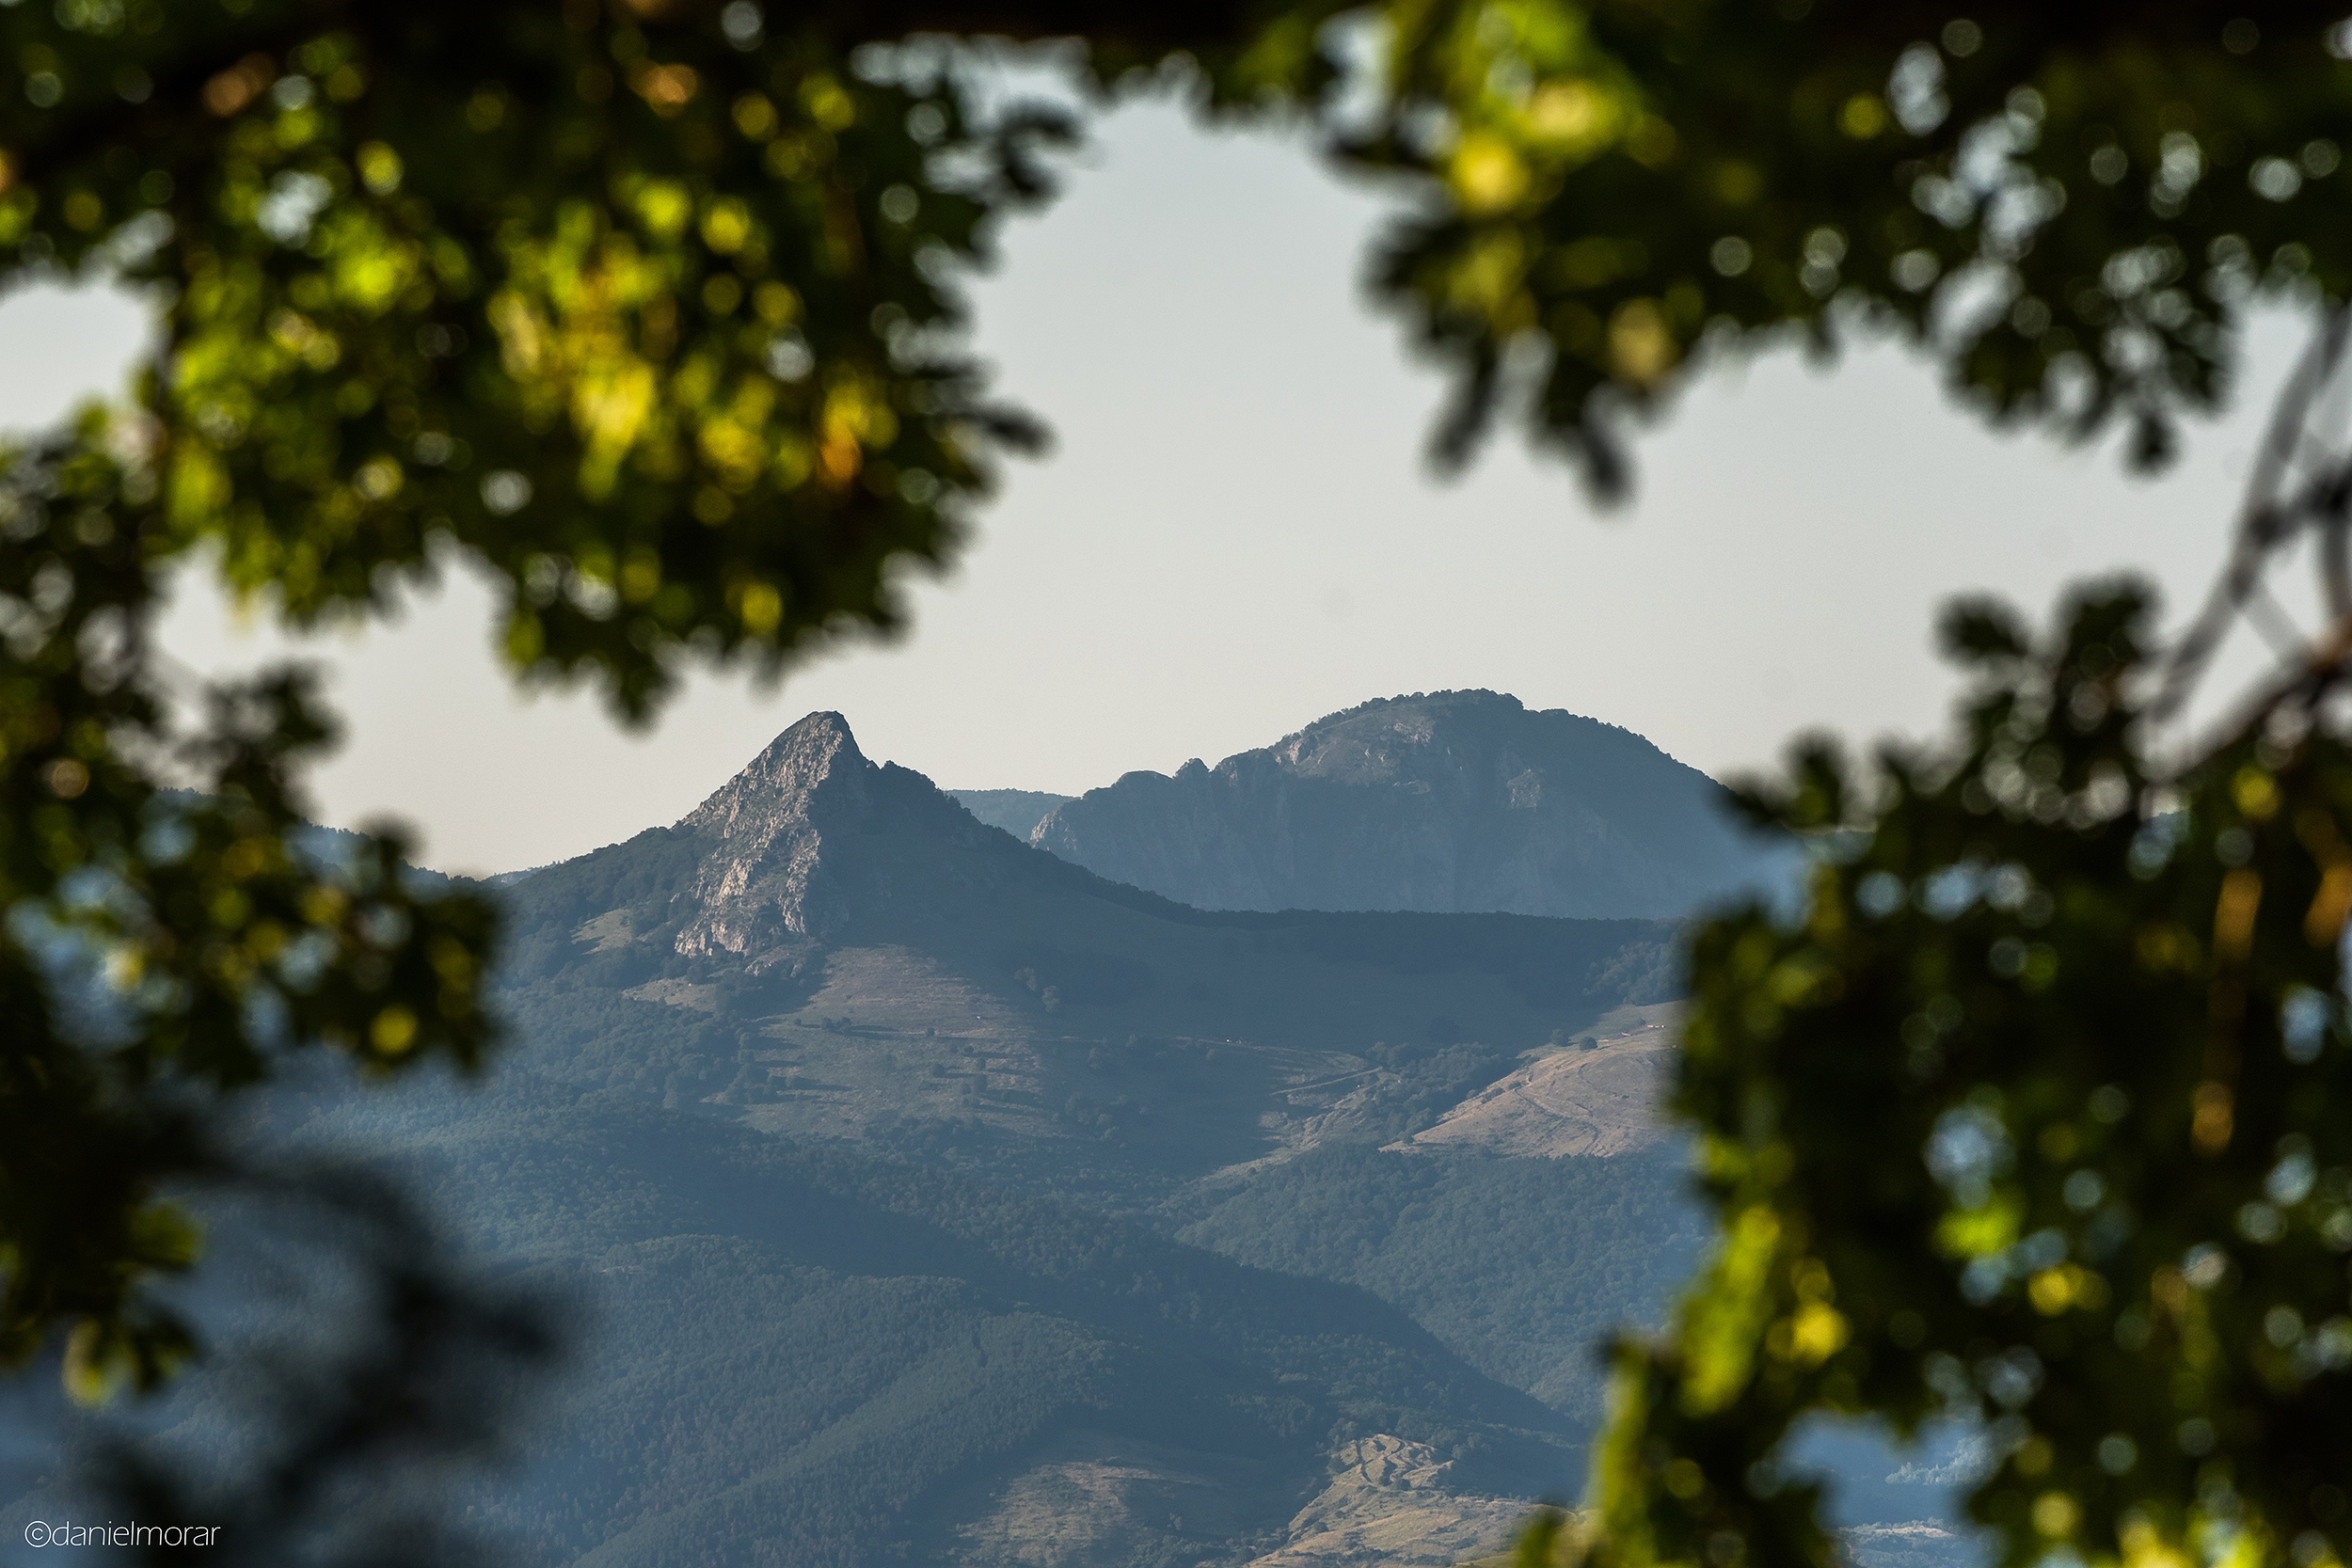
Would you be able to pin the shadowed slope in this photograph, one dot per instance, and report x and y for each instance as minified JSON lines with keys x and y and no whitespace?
{"x":1016,"y":811}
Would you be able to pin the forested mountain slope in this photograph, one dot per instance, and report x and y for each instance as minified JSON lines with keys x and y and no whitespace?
{"x":1524,"y":1266}
{"x":915,"y":1196}
{"x":1454,"y":800}
{"x":801,"y":1357}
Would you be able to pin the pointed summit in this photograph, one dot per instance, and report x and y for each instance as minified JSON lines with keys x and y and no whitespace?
{"x":811,"y":844}
{"x":765,"y":881}
{"x":818,"y":751}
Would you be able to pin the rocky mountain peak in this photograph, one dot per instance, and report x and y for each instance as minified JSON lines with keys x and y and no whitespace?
{"x":1397,"y":738}
{"x":811,"y":836}
{"x":764,"y":882}
{"x":817,"y":757}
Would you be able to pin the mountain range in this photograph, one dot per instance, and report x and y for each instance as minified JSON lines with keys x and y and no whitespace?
{"x":915,"y":1195}
{"x":1449,"y":801}
{"x":930,"y":978}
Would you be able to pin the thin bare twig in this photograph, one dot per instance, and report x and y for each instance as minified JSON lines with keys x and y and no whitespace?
{"x":2325,"y":662}
{"x":2270,"y":516}
{"x":2266,"y":615}
{"x":2302,"y":481}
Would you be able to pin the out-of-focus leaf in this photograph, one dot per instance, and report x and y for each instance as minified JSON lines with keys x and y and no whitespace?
{"x":2032,"y":1122}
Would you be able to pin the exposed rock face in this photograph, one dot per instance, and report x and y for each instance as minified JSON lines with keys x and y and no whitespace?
{"x":1456,"y":801}
{"x":807,"y":834}
{"x":765,"y":879}
{"x":1391,"y":1502}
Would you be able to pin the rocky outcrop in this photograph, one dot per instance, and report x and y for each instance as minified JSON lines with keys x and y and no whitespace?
{"x":765,"y":880}
{"x":811,"y":833}
{"x":1456,"y":801}
{"x":811,"y":839}
{"x":1391,"y":1502}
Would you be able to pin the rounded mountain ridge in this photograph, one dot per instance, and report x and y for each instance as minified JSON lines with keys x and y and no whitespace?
{"x":1451,"y":801}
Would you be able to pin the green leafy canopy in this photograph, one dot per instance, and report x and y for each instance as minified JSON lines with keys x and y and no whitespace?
{"x":2032,"y":1119}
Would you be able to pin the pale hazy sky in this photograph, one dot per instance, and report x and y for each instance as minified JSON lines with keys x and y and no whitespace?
{"x":1234,"y":534}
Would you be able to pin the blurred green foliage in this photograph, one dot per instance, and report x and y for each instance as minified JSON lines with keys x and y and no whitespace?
{"x":653,"y":333}
{"x":2034,"y":1119}
{"x":2067,"y":208}
{"x":648,"y":309}
{"x":157,"y":940}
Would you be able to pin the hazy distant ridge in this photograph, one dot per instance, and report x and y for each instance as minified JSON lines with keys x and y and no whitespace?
{"x":1456,"y":801}
{"x":1016,"y":811}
